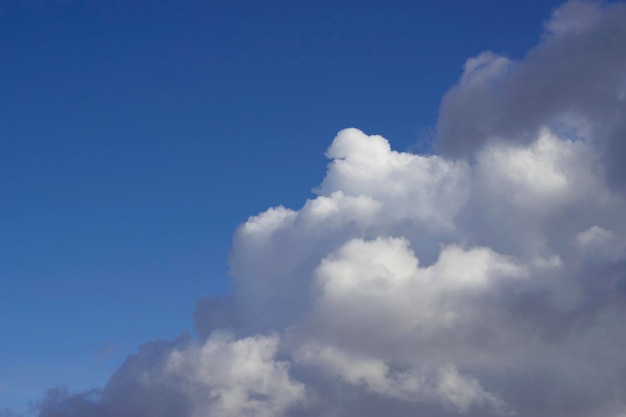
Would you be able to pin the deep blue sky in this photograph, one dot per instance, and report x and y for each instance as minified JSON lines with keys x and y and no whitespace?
{"x":136,"y":135}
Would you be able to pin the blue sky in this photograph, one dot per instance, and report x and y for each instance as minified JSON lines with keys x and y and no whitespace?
{"x":135,"y":137}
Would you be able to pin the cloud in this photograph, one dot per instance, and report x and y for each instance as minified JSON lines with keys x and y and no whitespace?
{"x":229,"y":377}
{"x":486,"y":280}
{"x":574,"y":79}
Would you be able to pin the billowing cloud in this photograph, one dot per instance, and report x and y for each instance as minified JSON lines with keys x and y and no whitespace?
{"x":573,"y":80}
{"x":486,"y":280}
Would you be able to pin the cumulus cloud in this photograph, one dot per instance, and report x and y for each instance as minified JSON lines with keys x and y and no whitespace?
{"x":486,"y":280}
{"x":229,"y":377}
{"x":573,"y":80}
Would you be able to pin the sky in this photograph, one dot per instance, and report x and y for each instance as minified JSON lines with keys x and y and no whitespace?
{"x":312,"y":208}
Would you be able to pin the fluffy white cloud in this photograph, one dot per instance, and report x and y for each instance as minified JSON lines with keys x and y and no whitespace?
{"x":487,"y":280}
{"x":525,"y":293}
{"x":228,"y":377}
{"x":507,"y":292}
{"x":375,"y":290}
{"x":428,"y":190}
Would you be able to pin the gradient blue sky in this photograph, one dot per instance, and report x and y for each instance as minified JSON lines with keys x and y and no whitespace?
{"x":136,"y":135}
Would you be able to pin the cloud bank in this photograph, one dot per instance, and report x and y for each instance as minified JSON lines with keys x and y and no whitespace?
{"x":488,"y":279}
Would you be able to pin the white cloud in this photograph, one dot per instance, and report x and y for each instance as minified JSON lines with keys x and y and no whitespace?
{"x":506,"y":293}
{"x":425,"y":189}
{"x":487,"y":280}
{"x":521,"y":291}
{"x":235,"y":377}
{"x":444,"y":385}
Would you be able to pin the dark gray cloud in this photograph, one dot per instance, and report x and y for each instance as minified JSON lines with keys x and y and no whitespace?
{"x":136,"y":389}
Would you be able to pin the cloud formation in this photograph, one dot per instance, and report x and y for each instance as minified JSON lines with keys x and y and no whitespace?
{"x":486,"y":280}
{"x":574,"y":79}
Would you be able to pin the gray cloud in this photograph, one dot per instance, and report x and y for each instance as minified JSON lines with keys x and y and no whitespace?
{"x":215,"y":313}
{"x":574,"y":79}
{"x":489,"y":280}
